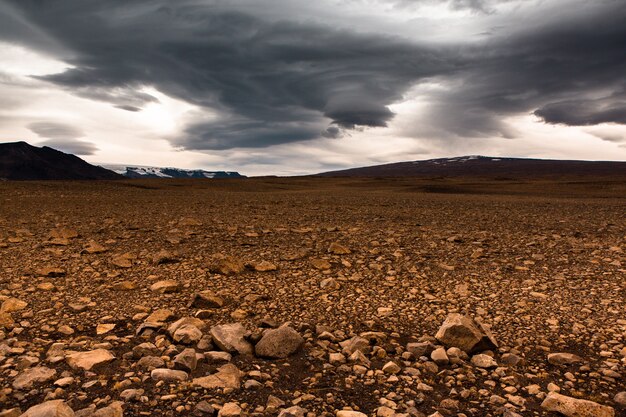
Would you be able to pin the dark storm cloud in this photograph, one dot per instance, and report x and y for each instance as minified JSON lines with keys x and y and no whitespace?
{"x":76,"y":147}
{"x":264,"y":83}
{"x":268,"y":82}
{"x":568,"y":72}
{"x":52,"y":130}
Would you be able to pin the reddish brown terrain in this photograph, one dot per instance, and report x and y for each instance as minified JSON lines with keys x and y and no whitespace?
{"x":114,"y":295}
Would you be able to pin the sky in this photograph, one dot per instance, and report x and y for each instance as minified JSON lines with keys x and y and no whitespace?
{"x":289,"y":87}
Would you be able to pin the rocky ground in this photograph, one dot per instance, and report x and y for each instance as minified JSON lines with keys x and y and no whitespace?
{"x":312,"y":297}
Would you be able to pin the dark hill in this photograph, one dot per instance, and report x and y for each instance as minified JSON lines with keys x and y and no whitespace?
{"x":21,"y":161}
{"x":487,"y":167}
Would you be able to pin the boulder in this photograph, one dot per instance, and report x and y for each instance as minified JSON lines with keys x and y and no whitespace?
{"x":466,"y":334}
{"x":573,"y":407}
{"x":279,"y":343}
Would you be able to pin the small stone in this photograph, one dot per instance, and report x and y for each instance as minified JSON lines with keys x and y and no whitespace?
{"x":206,"y":299}
{"x":620,"y":399}
{"x":484,"y":361}
{"x":186,"y":360}
{"x":187,"y":334}
{"x":50,"y":272}
{"x":338,"y":249}
{"x":159,"y":316}
{"x":466,"y":334}
{"x":563,"y":358}
{"x":439,"y":356}
{"x":124,"y":286}
{"x":93,"y":247}
{"x":164,"y":257}
{"x":391,"y":368}
{"x":572,"y":407}
{"x":215,"y":356}
{"x":230,"y":410}
{"x":349,"y":413}
{"x":165,"y":286}
{"x":231,"y":338}
{"x":104,"y":328}
{"x":13,"y":304}
{"x":265,"y":266}
{"x":87,"y":360}
{"x":168,"y":375}
{"x":33,"y":375}
{"x":225,"y":265}
{"x":294,"y":411}
{"x":279,"y":343}
{"x":227,"y":376}
{"x":55,"y":408}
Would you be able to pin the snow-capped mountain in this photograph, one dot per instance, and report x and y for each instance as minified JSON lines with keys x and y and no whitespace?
{"x":486,"y":166}
{"x":135,"y":171}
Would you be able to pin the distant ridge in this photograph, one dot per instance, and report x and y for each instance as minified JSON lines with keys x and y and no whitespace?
{"x":486,"y":167}
{"x":135,"y":171}
{"x":21,"y":161}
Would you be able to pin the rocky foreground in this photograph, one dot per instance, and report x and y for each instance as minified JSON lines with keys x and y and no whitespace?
{"x":289,"y":298}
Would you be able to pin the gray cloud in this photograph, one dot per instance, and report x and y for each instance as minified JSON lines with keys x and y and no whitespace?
{"x":52,"y":130}
{"x":565,"y":72}
{"x":273,"y":82}
{"x":76,"y":147}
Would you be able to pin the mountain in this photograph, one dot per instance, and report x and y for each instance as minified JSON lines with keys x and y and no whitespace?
{"x":156,"y":172}
{"x":21,"y":161}
{"x":485,"y":166}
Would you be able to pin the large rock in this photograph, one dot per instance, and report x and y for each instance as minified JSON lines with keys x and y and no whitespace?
{"x":187,"y":330}
{"x":165,"y":286}
{"x":563,"y":358}
{"x":225,"y":265}
{"x":6,"y":320}
{"x":113,"y":410}
{"x":87,"y":360}
{"x":231,"y":338}
{"x":206,"y":299}
{"x":13,"y":304}
{"x":168,"y":375}
{"x":572,"y":407}
{"x":466,"y":334}
{"x":227,"y":376}
{"x":349,"y":413}
{"x":32,"y":375}
{"x":55,"y":408}
{"x":279,"y":343}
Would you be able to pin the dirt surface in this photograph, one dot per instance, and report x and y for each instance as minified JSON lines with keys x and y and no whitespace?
{"x":540,"y":262}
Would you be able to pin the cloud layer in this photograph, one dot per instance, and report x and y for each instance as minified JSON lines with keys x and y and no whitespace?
{"x":263,"y":82}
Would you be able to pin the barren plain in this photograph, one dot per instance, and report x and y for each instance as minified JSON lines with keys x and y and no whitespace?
{"x":313,"y":297}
